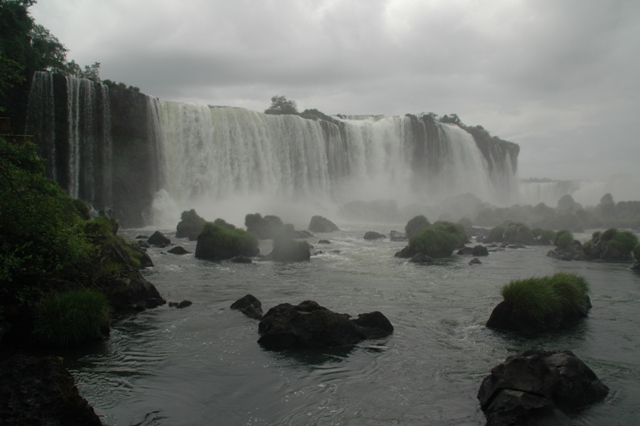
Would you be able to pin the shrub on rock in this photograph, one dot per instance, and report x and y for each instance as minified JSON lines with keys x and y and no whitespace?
{"x":518,"y":233}
{"x":190,"y":224}
{"x":496,"y":235}
{"x":563,"y":239}
{"x":216,"y":242}
{"x":539,"y":304}
{"x":438,"y":240}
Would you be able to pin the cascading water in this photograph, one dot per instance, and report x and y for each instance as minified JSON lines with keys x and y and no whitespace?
{"x":74,"y":136}
{"x":215,"y":154}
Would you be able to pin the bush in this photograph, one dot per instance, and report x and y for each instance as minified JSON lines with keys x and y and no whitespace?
{"x":540,"y":298}
{"x":518,"y":233}
{"x":609,"y":234}
{"x":596,"y":235}
{"x":70,"y":318}
{"x":219,"y":242}
{"x":439,"y":239}
{"x":623,"y":241}
{"x":496,"y":234}
{"x":636,"y":252}
{"x":563,"y":239}
{"x":415,"y":225}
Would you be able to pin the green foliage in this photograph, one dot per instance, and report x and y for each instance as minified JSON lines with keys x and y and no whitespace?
{"x":596,"y":235}
{"x":224,"y":223}
{"x":415,"y":225}
{"x":563,"y":239}
{"x":439,"y":239}
{"x":543,"y":236}
{"x":219,"y":242}
{"x":496,"y":234}
{"x":636,"y":252}
{"x":90,"y":72}
{"x":609,"y":234}
{"x":67,"y":319}
{"x":40,"y":228}
{"x":518,"y":233}
{"x":624,"y":241}
{"x":540,"y":298}
{"x":281,"y":105}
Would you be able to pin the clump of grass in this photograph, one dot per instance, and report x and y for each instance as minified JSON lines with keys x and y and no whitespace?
{"x":563,"y":239}
{"x":439,"y":239}
{"x":540,"y":298}
{"x":624,"y":241}
{"x":67,"y":319}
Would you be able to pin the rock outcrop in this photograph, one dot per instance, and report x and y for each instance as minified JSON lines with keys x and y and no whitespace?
{"x":249,"y":305}
{"x":322,"y":224}
{"x":538,"y":387}
{"x":311,"y":325}
{"x":40,"y":391}
{"x":372,"y":235}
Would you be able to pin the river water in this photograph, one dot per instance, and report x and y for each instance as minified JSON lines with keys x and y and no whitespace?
{"x":202,"y":366}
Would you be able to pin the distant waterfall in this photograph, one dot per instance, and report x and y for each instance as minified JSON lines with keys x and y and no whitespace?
{"x":215,"y":153}
{"x":74,"y":136}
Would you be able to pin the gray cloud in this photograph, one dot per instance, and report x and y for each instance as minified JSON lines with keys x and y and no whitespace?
{"x":557,"y":77}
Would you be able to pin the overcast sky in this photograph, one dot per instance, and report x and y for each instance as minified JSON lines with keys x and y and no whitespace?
{"x":559,"y":77}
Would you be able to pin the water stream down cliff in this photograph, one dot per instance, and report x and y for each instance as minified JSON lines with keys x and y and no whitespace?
{"x":187,"y":155}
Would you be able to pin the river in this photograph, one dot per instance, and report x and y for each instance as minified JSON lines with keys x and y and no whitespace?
{"x":202,"y":366}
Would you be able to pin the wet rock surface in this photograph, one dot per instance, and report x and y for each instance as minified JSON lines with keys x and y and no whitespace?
{"x":249,"y":305}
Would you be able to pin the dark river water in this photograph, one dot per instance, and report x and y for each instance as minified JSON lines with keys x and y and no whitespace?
{"x":202,"y":366}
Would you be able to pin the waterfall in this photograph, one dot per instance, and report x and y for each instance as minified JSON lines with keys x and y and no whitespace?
{"x":215,"y":154}
{"x":74,"y":136}
{"x":41,"y":118}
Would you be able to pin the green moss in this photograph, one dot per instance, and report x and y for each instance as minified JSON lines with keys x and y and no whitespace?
{"x":563,"y":239}
{"x":70,"y":318}
{"x":439,"y":239}
{"x":540,"y":298}
{"x":219,"y":242}
{"x":415,"y":225}
{"x":624,"y":241}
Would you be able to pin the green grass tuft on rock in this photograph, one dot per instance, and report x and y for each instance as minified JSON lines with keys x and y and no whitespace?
{"x":70,"y":318}
{"x":541,"y":298}
{"x":563,"y":239}
{"x":439,"y":239}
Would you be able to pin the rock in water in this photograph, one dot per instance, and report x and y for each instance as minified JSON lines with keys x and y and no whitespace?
{"x":311,"y":325}
{"x":249,"y":305}
{"x":158,"y":239}
{"x":539,"y":387}
{"x":322,"y":224}
{"x":40,"y":391}
{"x":372,"y":235}
{"x":178,"y":250}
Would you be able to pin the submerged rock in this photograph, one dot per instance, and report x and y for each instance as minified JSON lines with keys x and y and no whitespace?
{"x":311,"y":325}
{"x":397,"y":236}
{"x":40,"y":391}
{"x":181,"y":305}
{"x":322,"y":224}
{"x":249,"y":305}
{"x":475,"y":261}
{"x":421,"y":258}
{"x":573,"y":252}
{"x":537,"y":387}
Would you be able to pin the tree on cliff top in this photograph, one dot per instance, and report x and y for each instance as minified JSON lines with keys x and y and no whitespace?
{"x":281,"y":105}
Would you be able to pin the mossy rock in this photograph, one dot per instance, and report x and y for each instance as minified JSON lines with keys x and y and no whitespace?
{"x":438,"y":240}
{"x":416,"y":225}
{"x":190,"y":224}
{"x":217,"y":242}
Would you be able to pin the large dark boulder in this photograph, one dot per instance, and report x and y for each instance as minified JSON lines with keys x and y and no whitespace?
{"x":505,"y":317}
{"x":289,"y":250}
{"x":132,"y":294}
{"x":179,"y":250}
{"x":190,"y":225}
{"x":322,"y":224}
{"x":372,"y":235}
{"x":40,"y":391}
{"x":480,"y":251}
{"x":311,"y":325}
{"x":406,"y":253}
{"x":158,"y":239}
{"x":249,"y":305}
{"x":573,"y":252}
{"x":538,"y":387}
{"x":264,"y":228}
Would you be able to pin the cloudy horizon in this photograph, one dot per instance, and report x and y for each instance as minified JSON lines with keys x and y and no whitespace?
{"x":559,"y":78}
